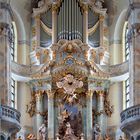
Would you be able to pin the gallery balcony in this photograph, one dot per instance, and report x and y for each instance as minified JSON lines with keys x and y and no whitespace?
{"x":10,"y":119}
{"x":130,"y":121}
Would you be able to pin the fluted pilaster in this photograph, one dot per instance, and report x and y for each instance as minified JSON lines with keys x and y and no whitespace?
{"x":54,"y":23}
{"x":85,"y":23}
{"x":39,"y":109}
{"x":89,"y":115}
{"x":100,"y":108}
{"x":50,"y":115}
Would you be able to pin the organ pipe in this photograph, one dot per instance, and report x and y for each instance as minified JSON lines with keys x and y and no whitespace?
{"x":70,"y":20}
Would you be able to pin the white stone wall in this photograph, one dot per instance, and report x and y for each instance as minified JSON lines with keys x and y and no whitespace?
{"x":23,"y":98}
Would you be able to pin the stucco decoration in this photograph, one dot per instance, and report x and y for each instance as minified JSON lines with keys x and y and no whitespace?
{"x":69,"y":84}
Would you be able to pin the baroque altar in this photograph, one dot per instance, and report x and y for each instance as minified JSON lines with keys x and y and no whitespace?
{"x":70,"y":91}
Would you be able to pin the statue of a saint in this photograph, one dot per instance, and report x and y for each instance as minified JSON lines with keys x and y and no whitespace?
{"x":64,"y":116}
{"x":43,"y":131}
{"x":97,"y":132}
{"x":69,"y":130}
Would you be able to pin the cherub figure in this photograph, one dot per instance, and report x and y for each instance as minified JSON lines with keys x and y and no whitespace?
{"x":99,"y":4}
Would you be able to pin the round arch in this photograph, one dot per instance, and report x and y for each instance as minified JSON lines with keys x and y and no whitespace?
{"x":116,"y":48}
{"x":20,"y":25}
{"x":120,"y":25}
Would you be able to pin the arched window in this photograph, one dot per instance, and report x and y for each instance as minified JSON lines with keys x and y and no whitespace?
{"x":13,"y":54}
{"x":126,"y":48}
{"x":127,"y":44}
{"x":13,"y":42}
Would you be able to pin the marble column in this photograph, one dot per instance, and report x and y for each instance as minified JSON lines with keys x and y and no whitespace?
{"x":34,"y":56}
{"x":39,"y":108}
{"x":101,"y":30}
{"x":37,"y":26}
{"x":89,"y":115}
{"x":134,"y":63}
{"x":85,"y":24}
{"x":100,"y":108}
{"x":5,"y":67}
{"x":54,"y":24}
{"x":50,"y":115}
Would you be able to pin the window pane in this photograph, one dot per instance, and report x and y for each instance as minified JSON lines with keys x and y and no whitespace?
{"x":12,"y":93}
{"x":127,"y":89}
{"x":127,"y":44}
{"x":12,"y":89}
{"x":127,"y":104}
{"x":127,"y":51}
{"x":127,"y":97}
{"x":127,"y":93}
{"x":127,"y":82}
{"x":13,"y":97}
{"x":12,"y":104}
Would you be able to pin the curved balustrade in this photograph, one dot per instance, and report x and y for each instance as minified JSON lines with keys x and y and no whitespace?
{"x":10,"y":118}
{"x":25,"y":70}
{"x":115,"y":70}
{"x":130,"y":117}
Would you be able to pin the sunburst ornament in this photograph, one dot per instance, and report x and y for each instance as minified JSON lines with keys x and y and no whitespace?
{"x":69,"y":84}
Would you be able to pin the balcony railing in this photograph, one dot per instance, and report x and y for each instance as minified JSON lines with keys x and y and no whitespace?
{"x":130,"y":113}
{"x":10,"y":116}
{"x":129,"y":117}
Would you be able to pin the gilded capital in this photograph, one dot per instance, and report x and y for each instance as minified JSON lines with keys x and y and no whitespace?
{"x":100,"y":93}
{"x":50,"y":94}
{"x":89,"y":93}
{"x":54,"y":8}
{"x":56,"y":5}
{"x":84,"y":8}
{"x":39,"y":95}
{"x":101,"y":18}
